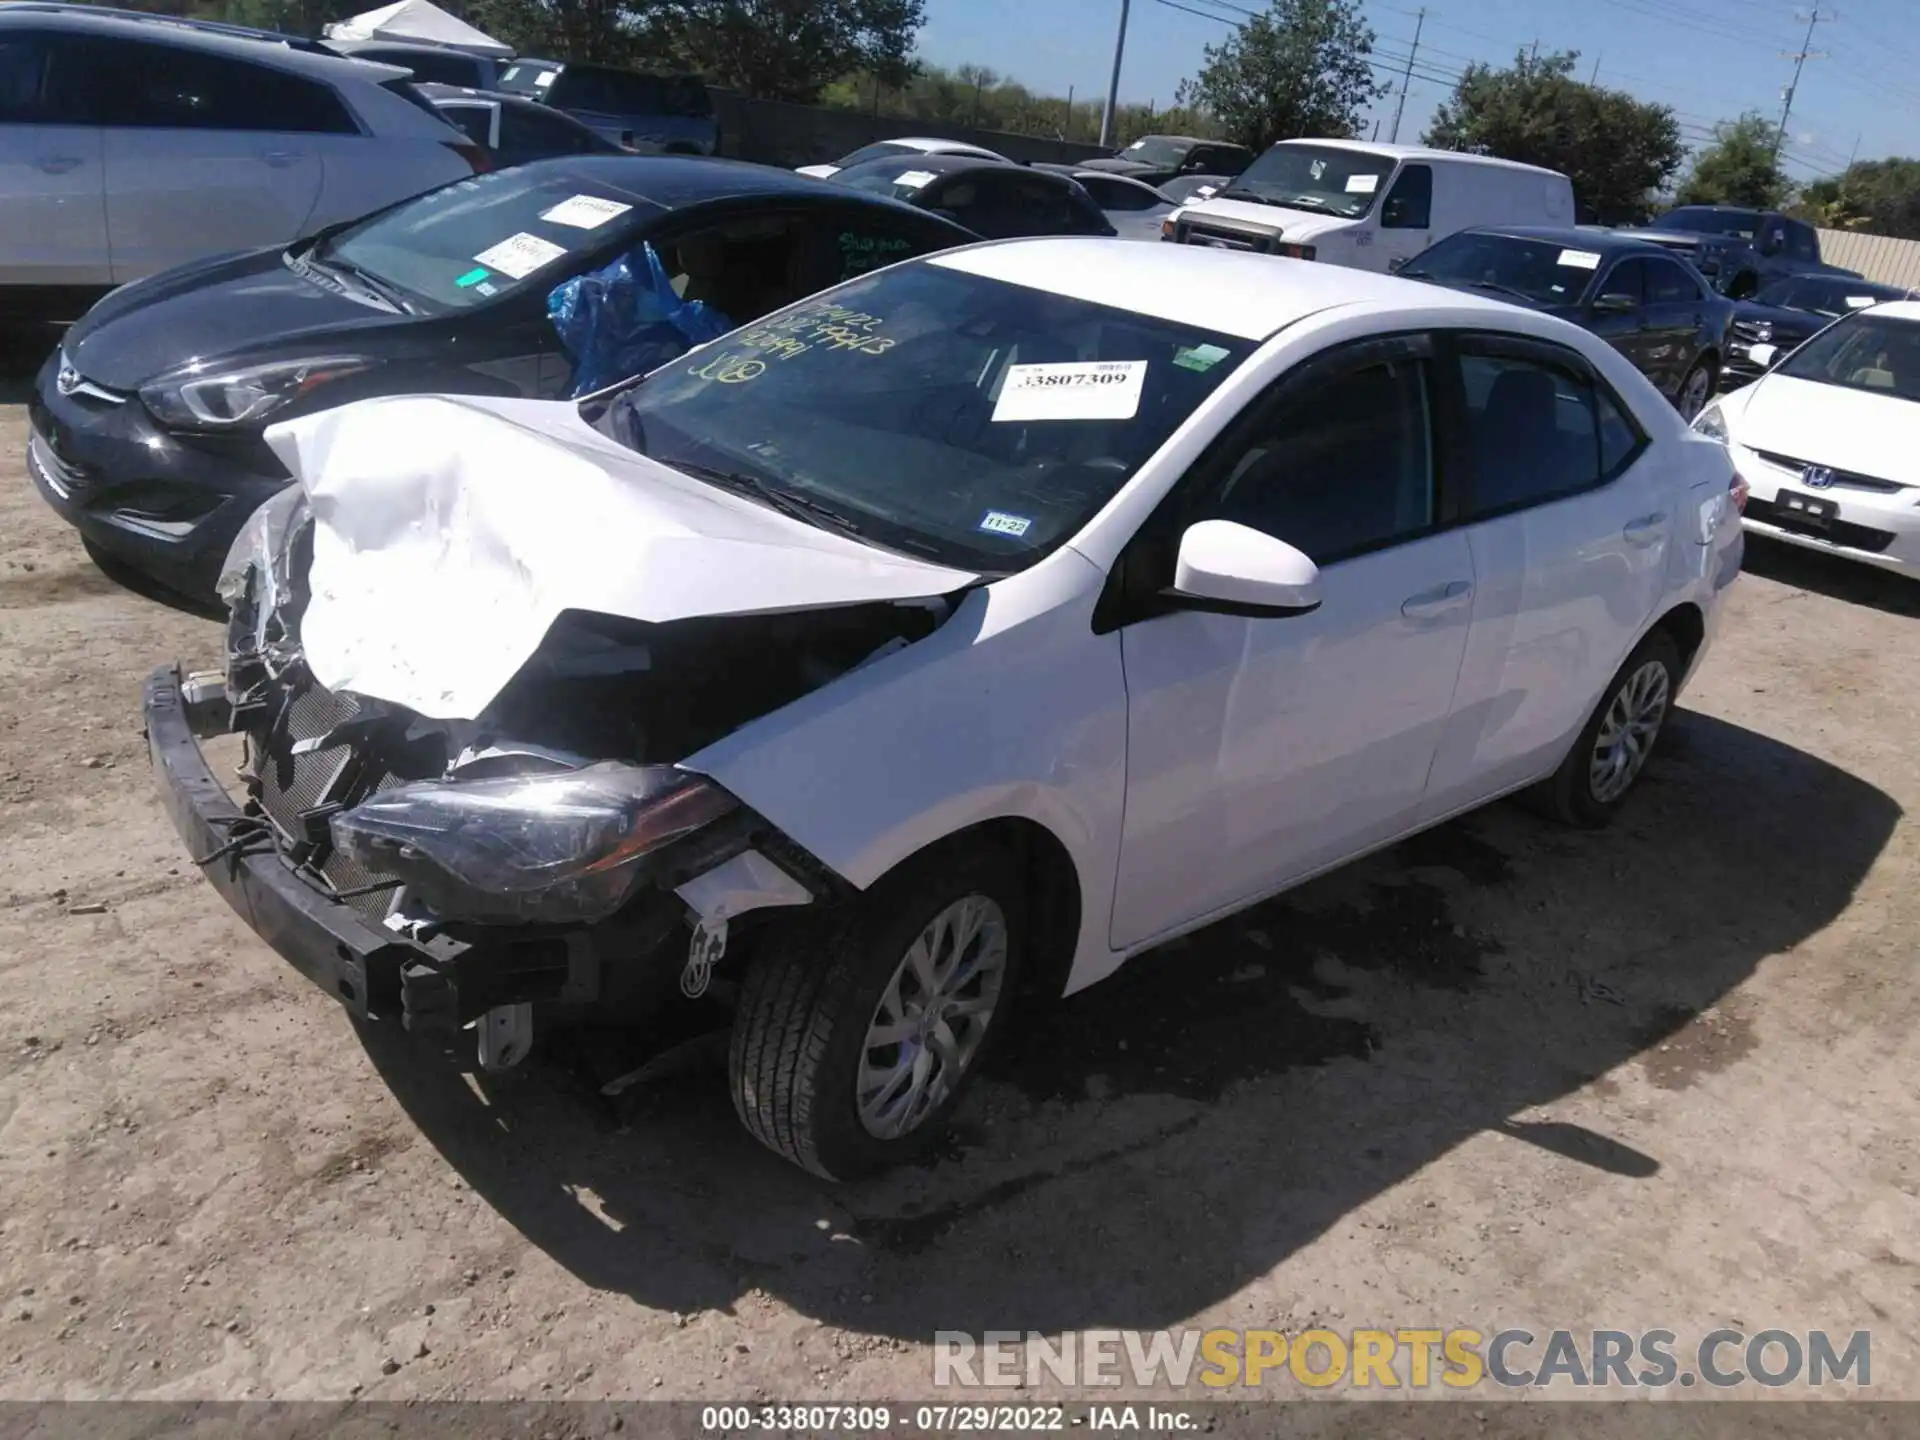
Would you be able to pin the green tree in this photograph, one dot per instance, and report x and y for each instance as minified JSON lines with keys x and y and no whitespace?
{"x":1616,"y":150}
{"x":780,"y":49}
{"x":1302,"y":68}
{"x":1879,"y":196}
{"x":1738,"y":168}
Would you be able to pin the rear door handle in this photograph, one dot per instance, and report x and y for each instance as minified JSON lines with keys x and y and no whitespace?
{"x":58,"y":164}
{"x":1437,"y":601}
{"x":1645,"y":530}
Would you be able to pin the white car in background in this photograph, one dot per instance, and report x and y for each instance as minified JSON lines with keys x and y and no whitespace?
{"x":975,"y":625}
{"x":1828,"y":439}
{"x":131,"y":146}
{"x":902,"y":145}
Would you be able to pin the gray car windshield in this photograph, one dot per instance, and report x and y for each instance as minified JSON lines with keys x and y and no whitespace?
{"x":1826,"y":297}
{"x":1546,"y":272}
{"x":1320,"y":178}
{"x":477,"y":240}
{"x":1868,"y":352}
{"x":929,"y":411}
{"x":1156,"y":150}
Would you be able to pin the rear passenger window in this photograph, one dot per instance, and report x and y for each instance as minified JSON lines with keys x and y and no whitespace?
{"x":1540,"y":431}
{"x":163,"y":87}
{"x":1343,"y":468}
{"x":45,"y":80}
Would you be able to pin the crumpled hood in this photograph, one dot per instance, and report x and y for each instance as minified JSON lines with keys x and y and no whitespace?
{"x":1297,"y":226}
{"x":1847,"y":429}
{"x":449,"y":532}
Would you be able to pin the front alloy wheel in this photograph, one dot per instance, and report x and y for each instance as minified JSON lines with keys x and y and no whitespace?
{"x":1695,"y":391}
{"x":859,"y":1029}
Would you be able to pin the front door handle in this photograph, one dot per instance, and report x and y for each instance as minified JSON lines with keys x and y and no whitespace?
{"x":281,"y":159}
{"x":1645,"y":529}
{"x":58,"y":164}
{"x":1437,"y":601}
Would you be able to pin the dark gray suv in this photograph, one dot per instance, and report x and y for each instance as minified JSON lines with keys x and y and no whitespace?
{"x":661,"y":114}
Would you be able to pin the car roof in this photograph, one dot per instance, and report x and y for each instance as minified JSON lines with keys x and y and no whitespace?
{"x":154,"y":17}
{"x":1602,"y":242}
{"x":237,"y":43}
{"x":1421,"y":152}
{"x":1226,"y":291}
{"x":934,"y":144}
{"x":675,"y":181}
{"x":1899,"y":310}
{"x":941,"y":165}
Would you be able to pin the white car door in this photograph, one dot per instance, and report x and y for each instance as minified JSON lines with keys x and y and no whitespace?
{"x":1261,"y":749}
{"x":55,"y":230}
{"x":207,"y":153}
{"x":1569,"y":561}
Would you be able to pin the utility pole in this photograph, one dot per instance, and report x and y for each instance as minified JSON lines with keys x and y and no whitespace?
{"x":1799,"y":58}
{"x":1113,"y":85}
{"x":1406,"y":79}
{"x":1533,"y":51}
{"x":1069,"y":134}
{"x":1594,"y":78}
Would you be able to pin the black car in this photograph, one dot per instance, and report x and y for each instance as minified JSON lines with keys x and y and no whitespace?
{"x":1652,"y":307}
{"x":656,"y":114}
{"x":147,"y":423}
{"x":1739,"y":250}
{"x":1159,"y":158}
{"x":512,"y":129}
{"x":1792,"y":310}
{"x":990,"y":198}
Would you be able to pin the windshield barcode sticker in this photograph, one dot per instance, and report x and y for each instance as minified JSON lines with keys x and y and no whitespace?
{"x":1579,"y":259}
{"x":584,"y":212}
{"x":544,"y":79}
{"x":518,"y":256}
{"x":1362,"y":184}
{"x":1088,"y":390}
{"x":913,"y":179}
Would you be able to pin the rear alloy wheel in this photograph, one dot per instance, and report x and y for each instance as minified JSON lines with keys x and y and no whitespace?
{"x":858,"y":1033}
{"x":1606,"y":762}
{"x":1695,"y":391}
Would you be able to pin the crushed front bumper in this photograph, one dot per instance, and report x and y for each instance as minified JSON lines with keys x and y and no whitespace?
{"x":325,"y":940}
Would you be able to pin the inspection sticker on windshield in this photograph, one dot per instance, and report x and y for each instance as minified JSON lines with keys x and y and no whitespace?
{"x":999,"y":522}
{"x":1860,"y":302}
{"x":1087,"y":390}
{"x":1362,"y":184}
{"x":544,"y":79}
{"x":584,"y":212}
{"x":473,"y":277}
{"x":1579,"y":259}
{"x":1199,"y":357}
{"x":518,"y":256}
{"x":913,"y":179}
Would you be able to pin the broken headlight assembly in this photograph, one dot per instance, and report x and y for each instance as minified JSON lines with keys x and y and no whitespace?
{"x":226,"y":398}
{"x":563,"y":847}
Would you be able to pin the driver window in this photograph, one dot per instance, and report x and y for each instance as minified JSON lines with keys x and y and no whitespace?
{"x":1341,"y":469}
{"x":1627,"y":278}
{"x":1410,"y":203}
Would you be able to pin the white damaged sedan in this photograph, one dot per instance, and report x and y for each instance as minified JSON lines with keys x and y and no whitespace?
{"x":931,"y":647}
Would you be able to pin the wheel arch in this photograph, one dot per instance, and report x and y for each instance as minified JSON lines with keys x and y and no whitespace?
{"x":1686,"y":624}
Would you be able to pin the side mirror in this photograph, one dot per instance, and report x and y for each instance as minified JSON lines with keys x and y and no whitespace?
{"x":1615,"y":302}
{"x":1229,"y":567}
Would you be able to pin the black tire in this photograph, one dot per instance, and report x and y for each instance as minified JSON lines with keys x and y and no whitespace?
{"x":810,"y":993}
{"x":1703,"y":366}
{"x":1569,"y":795}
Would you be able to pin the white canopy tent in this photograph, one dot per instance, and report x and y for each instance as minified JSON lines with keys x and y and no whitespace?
{"x":418,"y":21}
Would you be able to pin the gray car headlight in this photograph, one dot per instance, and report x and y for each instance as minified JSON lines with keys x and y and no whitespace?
{"x":548,"y":848}
{"x":1711,"y":423}
{"x":241,"y":396}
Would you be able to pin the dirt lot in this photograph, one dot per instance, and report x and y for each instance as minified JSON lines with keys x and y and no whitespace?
{"x":1504,"y":1075}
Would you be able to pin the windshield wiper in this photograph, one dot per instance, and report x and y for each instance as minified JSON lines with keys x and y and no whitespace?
{"x":1497,"y":288}
{"x":372,"y":284}
{"x":1233,"y":192}
{"x":1312,"y":202}
{"x":1414,"y":273}
{"x":787,"y":502}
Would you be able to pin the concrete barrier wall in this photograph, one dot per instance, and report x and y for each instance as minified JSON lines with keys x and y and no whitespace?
{"x":775,"y":133}
{"x":1878,"y":257}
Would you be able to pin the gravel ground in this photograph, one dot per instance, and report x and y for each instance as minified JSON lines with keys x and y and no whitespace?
{"x":1502,"y":1075}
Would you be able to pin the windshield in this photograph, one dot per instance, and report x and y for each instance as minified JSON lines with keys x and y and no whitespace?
{"x":1826,"y":297}
{"x":1543,"y":271}
{"x":1864,"y":352}
{"x":1156,"y":150}
{"x":973,"y":422}
{"x":880,"y":150}
{"x":476,"y":240}
{"x":899,"y":177}
{"x":528,"y":77}
{"x":1702,"y":220}
{"x":1313,"y":177}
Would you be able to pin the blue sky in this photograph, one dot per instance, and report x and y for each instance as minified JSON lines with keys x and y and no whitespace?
{"x":1708,"y":59}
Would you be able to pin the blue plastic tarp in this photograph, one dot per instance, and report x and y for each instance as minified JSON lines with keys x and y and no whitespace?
{"x":624,"y":320}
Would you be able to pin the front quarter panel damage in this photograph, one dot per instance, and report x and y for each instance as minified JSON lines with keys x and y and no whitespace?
{"x":1013,"y":708}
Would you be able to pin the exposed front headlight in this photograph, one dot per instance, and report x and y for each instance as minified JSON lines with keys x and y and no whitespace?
{"x":237,"y":397}
{"x":1711,"y":423}
{"x":528,"y":849}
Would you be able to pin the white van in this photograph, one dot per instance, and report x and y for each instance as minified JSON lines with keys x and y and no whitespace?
{"x":1373,"y":207}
